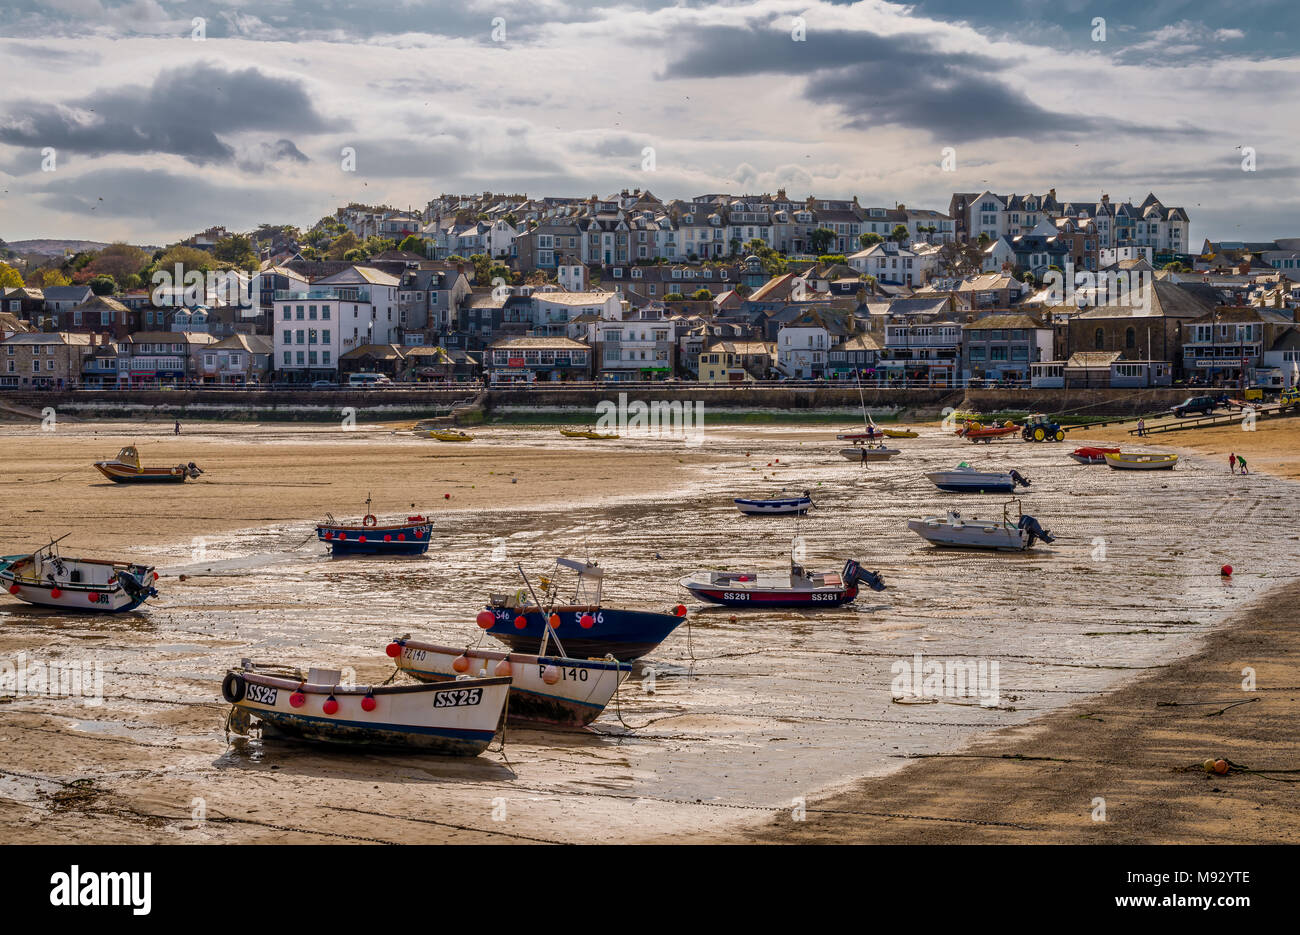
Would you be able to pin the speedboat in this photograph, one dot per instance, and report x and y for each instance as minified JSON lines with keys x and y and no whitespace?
{"x":126,"y":469}
{"x":777,"y":506}
{"x":1010,"y":534}
{"x":1092,"y":455}
{"x":1140,"y":461}
{"x":48,"y":579}
{"x":458,"y":717}
{"x":797,"y":588}
{"x":555,"y":691}
{"x":965,"y":479}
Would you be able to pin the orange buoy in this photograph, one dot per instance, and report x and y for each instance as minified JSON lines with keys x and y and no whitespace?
{"x":1221,"y":767}
{"x":393,"y":650}
{"x":502,"y":668}
{"x":554,"y":621}
{"x":586,"y":621}
{"x":550,"y":675}
{"x":460,"y":663}
{"x":520,"y":622}
{"x":485,"y":619}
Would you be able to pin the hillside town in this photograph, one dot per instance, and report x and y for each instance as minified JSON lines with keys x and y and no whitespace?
{"x":997,"y":289}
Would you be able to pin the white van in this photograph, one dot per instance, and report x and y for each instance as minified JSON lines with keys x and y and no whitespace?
{"x":368,"y":379}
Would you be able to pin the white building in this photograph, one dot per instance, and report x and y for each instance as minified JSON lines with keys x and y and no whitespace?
{"x":801,"y":347}
{"x":336,"y":314}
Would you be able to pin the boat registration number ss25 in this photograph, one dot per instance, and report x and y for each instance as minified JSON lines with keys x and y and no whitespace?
{"x":459,"y":698}
{"x":261,"y":694}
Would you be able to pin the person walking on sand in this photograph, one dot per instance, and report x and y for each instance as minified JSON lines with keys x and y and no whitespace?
{"x":1232,"y":462}
{"x":1142,"y":427}
{"x":176,"y":429}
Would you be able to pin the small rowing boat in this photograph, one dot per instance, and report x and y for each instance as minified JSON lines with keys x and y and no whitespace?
{"x":47,"y":579}
{"x":1006,"y":535}
{"x":450,"y":435}
{"x":586,"y":433}
{"x":798,"y":588}
{"x":370,"y":537}
{"x":585,"y":626}
{"x":877,"y":452}
{"x":126,"y":469}
{"x":1140,"y":461}
{"x":965,"y":479}
{"x":550,"y":690}
{"x":458,"y":718}
{"x":1092,"y":455}
{"x":776,"y":506}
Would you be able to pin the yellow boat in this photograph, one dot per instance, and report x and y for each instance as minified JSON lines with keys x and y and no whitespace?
{"x":900,"y":433}
{"x":448,"y":435}
{"x":1139,"y":461}
{"x":585,"y":433}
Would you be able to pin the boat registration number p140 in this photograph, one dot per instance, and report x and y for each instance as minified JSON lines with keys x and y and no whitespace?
{"x":458,"y":698}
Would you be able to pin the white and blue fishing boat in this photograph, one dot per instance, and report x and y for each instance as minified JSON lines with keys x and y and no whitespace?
{"x":586,"y":626}
{"x":965,"y":479}
{"x":48,"y":579}
{"x":546,"y":690}
{"x":776,"y":506}
{"x":457,"y":718}
{"x":370,"y":537}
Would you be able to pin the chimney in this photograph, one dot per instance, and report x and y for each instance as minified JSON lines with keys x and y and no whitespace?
{"x":1105,"y":199}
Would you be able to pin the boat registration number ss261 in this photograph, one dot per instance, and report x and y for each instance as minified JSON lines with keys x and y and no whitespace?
{"x":460,"y":697}
{"x":261,"y":694}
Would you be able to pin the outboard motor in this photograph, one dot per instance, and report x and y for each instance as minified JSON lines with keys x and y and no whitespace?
{"x":135,"y":587}
{"x":1018,"y":479}
{"x":1035,"y":530}
{"x":194,"y":469}
{"x":855,"y":574}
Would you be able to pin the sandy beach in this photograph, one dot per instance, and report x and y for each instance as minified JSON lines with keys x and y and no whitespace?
{"x":737,"y":719}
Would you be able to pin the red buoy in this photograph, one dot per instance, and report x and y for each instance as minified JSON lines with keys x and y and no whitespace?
{"x":586,"y":621}
{"x":388,"y":537}
{"x":56,"y":593}
{"x":446,"y":496}
{"x":330,"y":706}
{"x":1226,"y":571}
{"x":520,"y":622}
{"x":368,"y":703}
{"x":94,"y":597}
{"x":14,"y":589}
{"x":554,"y":621}
{"x":361,"y":538}
{"x":485,"y":619}
{"x":401,"y":537}
{"x":394,"y":650}
{"x":329,"y":535}
{"x":679,"y":610}
{"x":297,"y":699}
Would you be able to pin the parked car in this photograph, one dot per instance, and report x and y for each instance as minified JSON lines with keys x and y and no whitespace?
{"x":368,"y":380}
{"x":1205,"y":405}
{"x":324,"y":385}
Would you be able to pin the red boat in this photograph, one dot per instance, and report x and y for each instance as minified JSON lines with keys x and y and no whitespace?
{"x":1091,"y":455}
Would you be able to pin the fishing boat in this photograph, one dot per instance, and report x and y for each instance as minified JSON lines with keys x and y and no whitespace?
{"x":370,"y":537}
{"x":48,"y":579}
{"x":1140,"y":461}
{"x":776,"y":506}
{"x":1091,"y":455}
{"x":458,"y":718}
{"x":450,"y":435}
{"x":586,"y":626}
{"x":586,"y":433}
{"x":126,"y":469}
{"x":876,"y":452}
{"x":797,"y":588}
{"x":965,"y":479}
{"x":901,"y":433}
{"x":1012,"y":533}
{"x":553,"y":691}
{"x":978,"y":432}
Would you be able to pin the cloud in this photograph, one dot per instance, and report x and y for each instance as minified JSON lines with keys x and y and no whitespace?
{"x":185,"y":112}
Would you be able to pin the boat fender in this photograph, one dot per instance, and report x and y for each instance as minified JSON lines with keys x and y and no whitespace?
{"x":233,"y":687}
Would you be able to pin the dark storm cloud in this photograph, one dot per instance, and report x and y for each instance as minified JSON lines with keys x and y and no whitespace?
{"x":185,"y":112}
{"x":903,"y":80}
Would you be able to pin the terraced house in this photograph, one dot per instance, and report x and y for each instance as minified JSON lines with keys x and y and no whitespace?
{"x":43,"y":359}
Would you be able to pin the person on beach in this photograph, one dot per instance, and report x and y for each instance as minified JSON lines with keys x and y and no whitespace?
{"x":1241,"y":463}
{"x":1142,"y":427}
{"x":176,"y":429}
{"x":1232,"y":462}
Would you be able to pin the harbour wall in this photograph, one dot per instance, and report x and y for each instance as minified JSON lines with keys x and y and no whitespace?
{"x":522,"y":403}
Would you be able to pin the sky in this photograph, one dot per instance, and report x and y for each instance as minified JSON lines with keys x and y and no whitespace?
{"x":150,"y":120}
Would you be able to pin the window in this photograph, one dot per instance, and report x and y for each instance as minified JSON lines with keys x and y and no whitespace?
{"x":1099,"y":339}
{"x":299,"y":312}
{"x":1130,"y":338}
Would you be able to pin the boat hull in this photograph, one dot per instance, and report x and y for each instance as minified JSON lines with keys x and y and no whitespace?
{"x":792,"y":505}
{"x":452,"y":718}
{"x":400,"y":539}
{"x":868,"y":454}
{"x":120,"y":474}
{"x":972,"y":482}
{"x":623,"y":634}
{"x":1092,"y":455}
{"x":993,"y":537}
{"x":580,"y":691}
{"x":820,"y":597}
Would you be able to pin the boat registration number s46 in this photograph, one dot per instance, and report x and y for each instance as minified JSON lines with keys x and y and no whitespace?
{"x":261,"y":694}
{"x":461,"y":697}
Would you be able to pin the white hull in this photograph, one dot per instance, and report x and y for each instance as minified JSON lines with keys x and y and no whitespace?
{"x":974,"y":534}
{"x":576,"y":696}
{"x":863,"y":453}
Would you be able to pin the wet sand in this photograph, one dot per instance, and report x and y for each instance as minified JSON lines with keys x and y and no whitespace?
{"x":745,"y":716}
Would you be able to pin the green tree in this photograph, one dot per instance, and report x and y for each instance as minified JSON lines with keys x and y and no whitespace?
{"x":832,"y":259}
{"x":702,"y":295}
{"x":9,"y":277}
{"x":900,"y":234}
{"x":103,"y":285}
{"x":674,"y":297}
{"x":412,"y":244}
{"x":869,"y":240}
{"x":819,"y":241}
{"x":236,"y":250}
